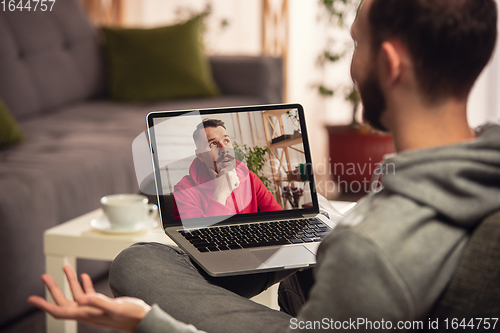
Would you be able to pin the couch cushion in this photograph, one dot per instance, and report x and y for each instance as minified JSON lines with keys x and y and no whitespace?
{"x":48,"y":59}
{"x":9,"y":131}
{"x":158,"y":64}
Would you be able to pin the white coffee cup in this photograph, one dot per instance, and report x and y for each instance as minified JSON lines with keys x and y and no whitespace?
{"x":126,"y":211}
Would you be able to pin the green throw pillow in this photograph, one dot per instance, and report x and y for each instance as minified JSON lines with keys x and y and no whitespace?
{"x":9,"y":131}
{"x":158,"y":64}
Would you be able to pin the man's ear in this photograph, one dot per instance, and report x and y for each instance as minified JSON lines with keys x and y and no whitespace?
{"x":393,"y":60}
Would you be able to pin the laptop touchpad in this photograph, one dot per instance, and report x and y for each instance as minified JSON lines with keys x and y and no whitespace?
{"x":284,"y":256}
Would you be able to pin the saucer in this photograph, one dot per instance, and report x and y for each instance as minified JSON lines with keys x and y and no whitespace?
{"x":102,"y":224}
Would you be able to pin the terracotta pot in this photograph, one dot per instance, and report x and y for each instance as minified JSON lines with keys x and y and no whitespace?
{"x":354,"y":155}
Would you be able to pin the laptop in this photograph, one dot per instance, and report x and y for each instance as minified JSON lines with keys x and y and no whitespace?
{"x":236,"y":188}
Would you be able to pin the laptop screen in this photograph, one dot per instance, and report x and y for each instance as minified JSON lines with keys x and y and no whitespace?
{"x":231,"y":165}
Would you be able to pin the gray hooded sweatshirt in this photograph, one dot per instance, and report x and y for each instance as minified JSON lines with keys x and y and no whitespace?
{"x":389,"y":259}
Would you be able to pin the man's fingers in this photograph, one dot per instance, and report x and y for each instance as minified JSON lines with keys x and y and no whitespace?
{"x":235,"y":180}
{"x":54,"y":290}
{"x":230,"y":183}
{"x":39,"y":302}
{"x":99,"y":301}
{"x":42,"y":304}
{"x":212,"y":173}
{"x":65,"y":311}
{"x":88,"y":286}
{"x":74,"y":284}
{"x":226,"y":170}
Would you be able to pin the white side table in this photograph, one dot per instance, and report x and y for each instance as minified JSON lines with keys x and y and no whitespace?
{"x":76,"y":239}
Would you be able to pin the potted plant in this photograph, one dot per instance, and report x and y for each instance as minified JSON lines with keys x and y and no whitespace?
{"x":255,"y":158}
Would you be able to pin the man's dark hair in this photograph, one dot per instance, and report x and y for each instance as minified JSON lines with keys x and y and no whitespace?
{"x":207,"y":123}
{"x":450,"y":41}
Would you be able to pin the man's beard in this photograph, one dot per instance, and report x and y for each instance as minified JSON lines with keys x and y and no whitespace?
{"x":225,"y":161}
{"x":373,"y":100}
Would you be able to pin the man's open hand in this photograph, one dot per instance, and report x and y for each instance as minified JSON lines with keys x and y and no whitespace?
{"x":87,"y":306}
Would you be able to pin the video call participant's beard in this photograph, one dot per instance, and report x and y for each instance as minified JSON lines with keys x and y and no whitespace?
{"x":373,"y":99}
{"x":225,"y":161}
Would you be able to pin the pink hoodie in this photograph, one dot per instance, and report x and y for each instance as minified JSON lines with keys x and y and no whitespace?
{"x":193,"y":194}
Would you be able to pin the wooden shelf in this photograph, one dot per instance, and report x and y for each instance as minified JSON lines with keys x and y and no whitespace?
{"x":280,"y":157}
{"x":287,"y":143}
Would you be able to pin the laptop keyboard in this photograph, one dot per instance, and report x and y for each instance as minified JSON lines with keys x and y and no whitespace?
{"x":256,"y":235}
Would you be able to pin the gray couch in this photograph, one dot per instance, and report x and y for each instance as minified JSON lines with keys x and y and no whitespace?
{"x":78,"y":144}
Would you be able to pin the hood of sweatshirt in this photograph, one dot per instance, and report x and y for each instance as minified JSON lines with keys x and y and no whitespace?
{"x":461,"y":182}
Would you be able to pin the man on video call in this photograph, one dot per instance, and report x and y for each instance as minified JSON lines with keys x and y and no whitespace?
{"x":218,"y":184}
{"x":392,"y":256}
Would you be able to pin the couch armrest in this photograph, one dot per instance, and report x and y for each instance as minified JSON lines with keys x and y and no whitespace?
{"x":257,"y":76}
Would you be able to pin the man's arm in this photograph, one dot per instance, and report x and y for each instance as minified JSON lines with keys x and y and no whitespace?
{"x":354,"y":280}
{"x":189,"y":206}
{"x":158,"y":321}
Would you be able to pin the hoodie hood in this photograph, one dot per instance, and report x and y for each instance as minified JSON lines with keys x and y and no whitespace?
{"x":461,"y":182}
